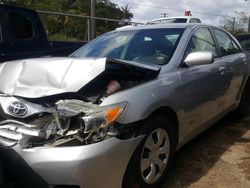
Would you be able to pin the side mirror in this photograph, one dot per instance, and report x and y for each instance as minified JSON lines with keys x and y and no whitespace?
{"x":199,"y":58}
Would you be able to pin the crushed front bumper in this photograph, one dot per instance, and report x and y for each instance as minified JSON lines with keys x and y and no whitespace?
{"x":97,"y":165}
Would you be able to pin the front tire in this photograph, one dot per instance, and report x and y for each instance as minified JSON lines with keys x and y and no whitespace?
{"x":152,"y":158}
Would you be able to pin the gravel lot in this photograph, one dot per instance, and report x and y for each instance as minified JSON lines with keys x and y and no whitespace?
{"x":220,"y":157}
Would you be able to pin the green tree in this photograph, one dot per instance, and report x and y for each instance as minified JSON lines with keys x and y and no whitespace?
{"x":236,"y":24}
{"x":66,"y":27}
{"x":126,"y":14}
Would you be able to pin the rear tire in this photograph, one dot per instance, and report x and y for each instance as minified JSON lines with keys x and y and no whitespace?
{"x":152,"y":159}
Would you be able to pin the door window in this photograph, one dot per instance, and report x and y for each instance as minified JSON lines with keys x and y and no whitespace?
{"x":201,"y":40}
{"x":20,"y":25}
{"x":227,"y":46}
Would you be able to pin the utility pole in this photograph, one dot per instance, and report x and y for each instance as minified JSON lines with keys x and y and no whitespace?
{"x":233,"y":27}
{"x":92,"y":14}
{"x":248,"y":30}
{"x":164,"y":15}
{"x":249,"y":24}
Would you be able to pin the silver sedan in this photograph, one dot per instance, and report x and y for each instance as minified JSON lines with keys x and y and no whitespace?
{"x":114,"y":112}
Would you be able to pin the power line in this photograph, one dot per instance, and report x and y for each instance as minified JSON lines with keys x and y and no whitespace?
{"x":87,"y":17}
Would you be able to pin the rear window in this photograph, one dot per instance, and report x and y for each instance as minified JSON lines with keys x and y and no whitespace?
{"x":20,"y":25}
{"x":168,"y":20}
{"x":193,"y":20}
{"x":175,"y":20}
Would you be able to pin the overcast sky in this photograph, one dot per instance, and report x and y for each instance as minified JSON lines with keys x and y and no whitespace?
{"x":207,"y":10}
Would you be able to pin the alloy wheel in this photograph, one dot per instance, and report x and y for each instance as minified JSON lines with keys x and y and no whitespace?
{"x":155,"y":155}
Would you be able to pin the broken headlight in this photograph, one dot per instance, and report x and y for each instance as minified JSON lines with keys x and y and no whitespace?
{"x":91,"y":121}
{"x":102,"y":117}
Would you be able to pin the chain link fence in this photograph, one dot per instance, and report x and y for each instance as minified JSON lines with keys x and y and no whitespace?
{"x":71,"y":27}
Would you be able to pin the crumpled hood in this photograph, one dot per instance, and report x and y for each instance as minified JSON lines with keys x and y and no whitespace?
{"x":34,"y":78}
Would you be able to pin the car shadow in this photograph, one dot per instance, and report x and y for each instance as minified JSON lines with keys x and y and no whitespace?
{"x":196,"y":158}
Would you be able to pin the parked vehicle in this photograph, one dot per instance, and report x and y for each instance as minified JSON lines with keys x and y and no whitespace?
{"x":22,"y":35}
{"x":114,"y":112}
{"x":244,"y":40}
{"x":178,"y":19}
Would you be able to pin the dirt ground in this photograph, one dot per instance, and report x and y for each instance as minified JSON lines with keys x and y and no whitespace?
{"x":218,"y":158}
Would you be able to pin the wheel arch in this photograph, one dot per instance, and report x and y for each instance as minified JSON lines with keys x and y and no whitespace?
{"x":247,"y":82}
{"x":243,"y":104}
{"x":172,"y":117}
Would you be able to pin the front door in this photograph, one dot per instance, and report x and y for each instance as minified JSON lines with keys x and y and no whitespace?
{"x":203,"y":86}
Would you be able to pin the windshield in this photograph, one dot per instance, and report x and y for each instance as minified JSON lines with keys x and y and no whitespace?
{"x":148,"y":46}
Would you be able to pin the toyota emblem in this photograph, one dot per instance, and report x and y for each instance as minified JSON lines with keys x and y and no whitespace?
{"x":17,"y":108}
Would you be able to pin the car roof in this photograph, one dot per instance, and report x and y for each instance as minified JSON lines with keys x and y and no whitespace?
{"x":162,"y":26}
{"x":187,"y":17}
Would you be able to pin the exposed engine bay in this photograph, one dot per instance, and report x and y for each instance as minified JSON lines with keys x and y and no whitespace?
{"x":69,"y":117}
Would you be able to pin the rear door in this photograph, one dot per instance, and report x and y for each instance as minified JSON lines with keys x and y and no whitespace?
{"x":234,"y":66}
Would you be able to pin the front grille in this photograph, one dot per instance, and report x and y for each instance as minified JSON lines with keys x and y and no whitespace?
{"x":11,"y":132}
{"x":7,"y":142}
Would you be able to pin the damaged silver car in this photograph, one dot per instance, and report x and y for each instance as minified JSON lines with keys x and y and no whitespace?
{"x":114,"y":112}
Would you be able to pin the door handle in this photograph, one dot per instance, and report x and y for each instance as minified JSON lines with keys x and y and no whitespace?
{"x":222,"y":69}
{"x":245,"y":61}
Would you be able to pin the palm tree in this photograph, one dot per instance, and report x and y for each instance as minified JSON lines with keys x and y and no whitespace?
{"x":126,"y":14}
